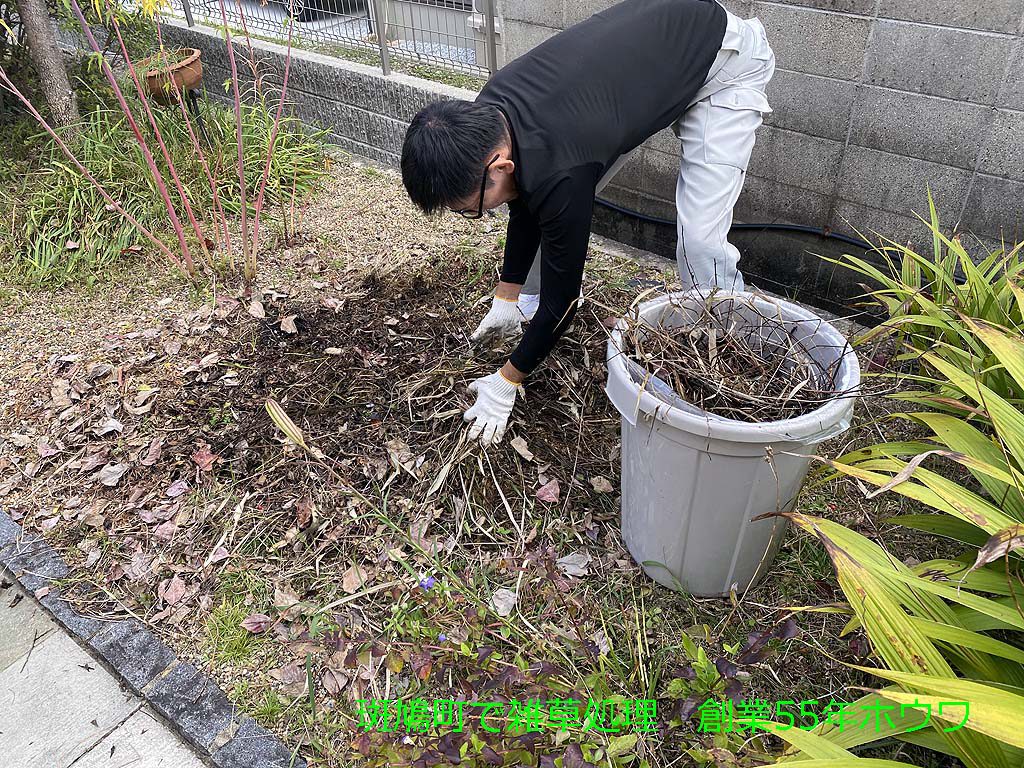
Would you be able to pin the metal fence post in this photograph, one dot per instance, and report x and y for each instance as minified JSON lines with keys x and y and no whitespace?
{"x":187,"y":8}
{"x":380,"y":10}
{"x":492,"y":45}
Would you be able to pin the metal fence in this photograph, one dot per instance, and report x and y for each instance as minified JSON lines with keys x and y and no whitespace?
{"x":454,"y":35}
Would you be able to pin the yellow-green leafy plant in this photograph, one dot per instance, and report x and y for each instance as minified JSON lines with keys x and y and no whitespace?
{"x":946,"y":630}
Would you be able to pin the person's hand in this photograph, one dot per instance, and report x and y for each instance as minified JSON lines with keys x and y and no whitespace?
{"x":503,"y":321}
{"x":495,"y":396}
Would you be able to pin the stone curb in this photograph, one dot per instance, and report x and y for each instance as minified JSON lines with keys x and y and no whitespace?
{"x":192,"y":703}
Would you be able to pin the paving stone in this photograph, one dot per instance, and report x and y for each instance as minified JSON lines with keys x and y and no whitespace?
{"x":22,"y":623}
{"x":135,"y":652}
{"x":62,"y":687}
{"x":141,"y":742}
{"x":193,"y":702}
{"x":255,"y":747}
{"x":939,"y":61}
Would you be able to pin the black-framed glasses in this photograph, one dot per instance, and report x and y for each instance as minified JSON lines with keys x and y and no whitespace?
{"x":469,"y":213}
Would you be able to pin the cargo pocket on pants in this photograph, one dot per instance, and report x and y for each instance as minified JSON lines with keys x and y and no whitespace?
{"x":733,"y":116}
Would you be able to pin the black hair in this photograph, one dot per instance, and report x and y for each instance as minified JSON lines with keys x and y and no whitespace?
{"x":446,"y":148}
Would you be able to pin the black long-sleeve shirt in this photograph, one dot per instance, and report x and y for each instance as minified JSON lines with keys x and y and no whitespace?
{"x":576,"y":103}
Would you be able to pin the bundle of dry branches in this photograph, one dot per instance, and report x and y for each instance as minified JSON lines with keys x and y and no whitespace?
{"x":729,"y":359}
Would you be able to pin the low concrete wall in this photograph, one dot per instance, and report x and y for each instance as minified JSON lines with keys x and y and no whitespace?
{"x":365,"y":112}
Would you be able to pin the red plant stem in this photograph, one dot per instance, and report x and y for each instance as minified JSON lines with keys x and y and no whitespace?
{"x":273,"y":140}
{"x":218,"y":209}
{"x":200,"y":236}
{"x":157,"y":177}
{"x":10,"y":86}
{"x":251,"y":61}
{"x":249,"y":268}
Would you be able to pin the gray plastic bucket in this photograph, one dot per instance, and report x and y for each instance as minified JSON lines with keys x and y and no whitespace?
{"x":692,"y":481}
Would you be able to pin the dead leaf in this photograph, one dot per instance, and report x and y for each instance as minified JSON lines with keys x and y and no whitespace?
{"x":108,"y":426}
{"x":601,"y":484}
{"x":142,"y":403}
{"x":20,"y":440}
{"x":519,"y":446}
{"x":904,"y":474}
{"x":59,"y":393}
{"x":353,"y":579}
{"x":335,"y":681}
{"x":256,"y":309}
{"x":41,"y":593}
{"x":600,"y":639}
{"x":293,"y":676}
{"x":165,"y":531}
{"x":1000,"y":545}
{"x":93,"y":460}
{"x":172,"y":347}
{"x":209,"y":360}
{"x":549,"y":492}
{"x":304,"y":511}
{"x":286,"y":601}
{"x":204,"y":459}
{"x":98,"y":371}
{"x":400,"y":454}
{"x":334,"y":351}
{"x":220,"y":553}
{"x":177,"y":488}
{"x":503,"y":601}
{"x":45,"y":450}
{"x":111,"y":474}
{"x":173,"y":590}
{"x":288,"y":324}
{"x":153,"y":453}
{"x":576,"y":564}
{"x":257,"y":623}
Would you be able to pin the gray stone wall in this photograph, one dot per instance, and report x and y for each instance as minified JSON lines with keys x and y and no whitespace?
{"x":874,"y":101}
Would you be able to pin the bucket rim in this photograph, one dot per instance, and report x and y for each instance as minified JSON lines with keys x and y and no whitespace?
{"x":826,"y":421}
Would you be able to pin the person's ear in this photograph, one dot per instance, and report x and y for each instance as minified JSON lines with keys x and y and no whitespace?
{"x":505,"y":166}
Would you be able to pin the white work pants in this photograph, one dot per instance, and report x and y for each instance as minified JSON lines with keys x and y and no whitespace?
{"x":716,"y":136}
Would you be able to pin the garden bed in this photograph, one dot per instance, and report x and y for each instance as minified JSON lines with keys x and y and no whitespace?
{"x":406,"y":562}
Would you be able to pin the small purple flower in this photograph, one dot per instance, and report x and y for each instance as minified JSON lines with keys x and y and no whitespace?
{"x":428,"y":582}
{"x":442,"y":638}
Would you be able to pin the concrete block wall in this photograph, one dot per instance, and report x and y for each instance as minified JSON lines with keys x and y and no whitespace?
{"x":874,"y":101}
{"x":365,"y":113}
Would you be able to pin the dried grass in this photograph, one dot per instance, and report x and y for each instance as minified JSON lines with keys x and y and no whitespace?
{"x":730,"y":359}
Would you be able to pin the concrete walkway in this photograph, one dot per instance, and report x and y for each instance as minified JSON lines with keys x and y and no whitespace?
{"x":61,"y":708}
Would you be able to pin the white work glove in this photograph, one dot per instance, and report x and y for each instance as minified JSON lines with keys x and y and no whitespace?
{"x":504,"y":320}
{"x":495,"y":396}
